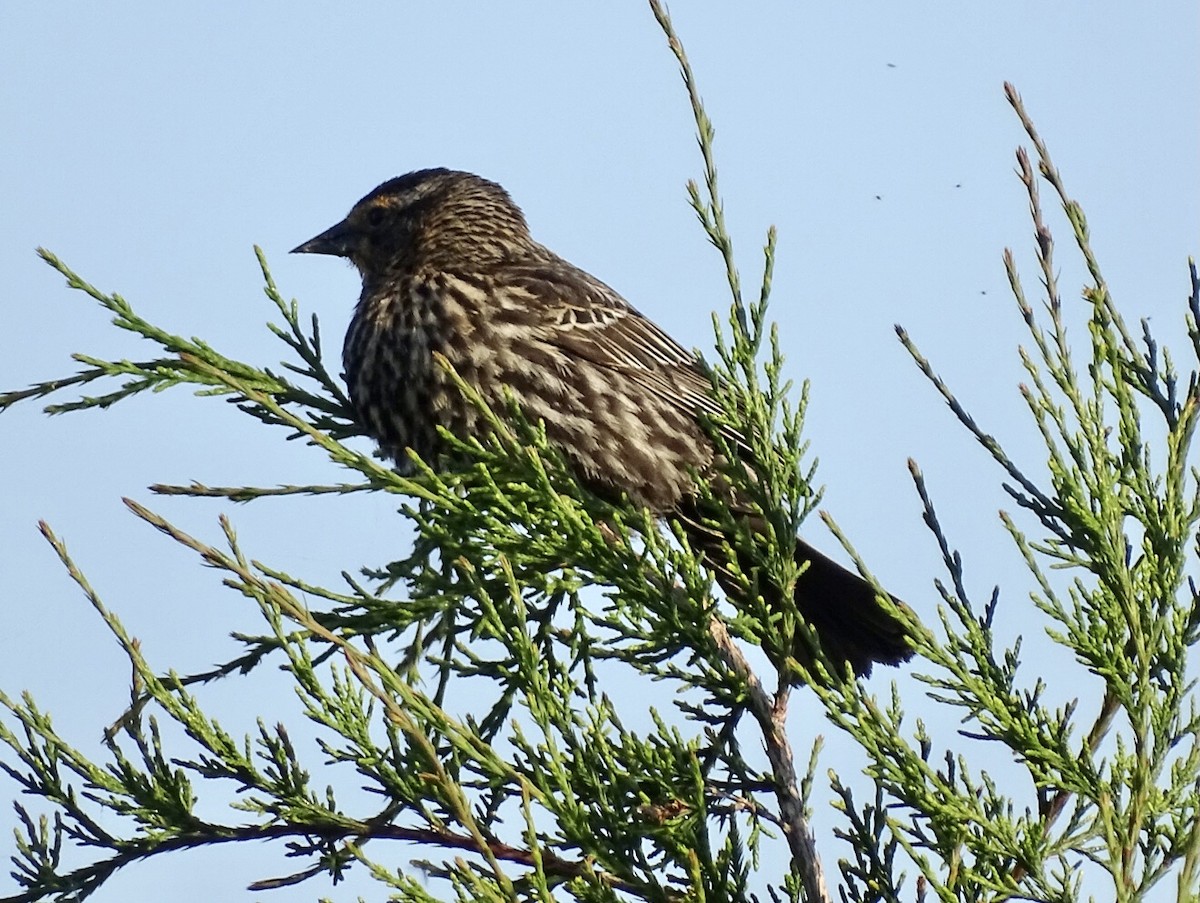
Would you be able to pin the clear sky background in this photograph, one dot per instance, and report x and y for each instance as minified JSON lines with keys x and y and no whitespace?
{"x":151,"y":145}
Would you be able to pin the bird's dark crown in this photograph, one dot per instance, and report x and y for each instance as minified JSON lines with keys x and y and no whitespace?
{"x":431,"y":216}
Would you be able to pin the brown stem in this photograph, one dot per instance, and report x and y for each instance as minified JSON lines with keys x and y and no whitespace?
{"x":771,"y":716}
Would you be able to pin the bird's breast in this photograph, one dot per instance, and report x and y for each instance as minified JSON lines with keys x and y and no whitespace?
{"x":389,"y":362}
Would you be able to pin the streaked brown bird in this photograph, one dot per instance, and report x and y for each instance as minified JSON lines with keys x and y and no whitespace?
{"x":448,"y":265}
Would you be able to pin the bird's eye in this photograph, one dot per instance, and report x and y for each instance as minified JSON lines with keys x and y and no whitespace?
{"x":375,"y":217}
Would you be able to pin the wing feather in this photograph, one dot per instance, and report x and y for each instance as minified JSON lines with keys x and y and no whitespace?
{"x":593,"y":322}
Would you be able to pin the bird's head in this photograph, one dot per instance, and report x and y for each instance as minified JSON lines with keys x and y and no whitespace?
{"x":438,"y":217}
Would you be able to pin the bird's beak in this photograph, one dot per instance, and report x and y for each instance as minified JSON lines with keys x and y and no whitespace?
{"x":337,"y":240}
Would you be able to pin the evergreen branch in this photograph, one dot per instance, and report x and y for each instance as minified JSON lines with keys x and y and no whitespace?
{"x":710,"y":211}
{"x":1032,"y":494}
{"x":82,"y":882}
{"x":368,"y":667}
{"x":194,"y":362}
{"x":307,"y":347}
{"x":248,"y":493}
{"x":49,"y":387}
{"x":1130,"y":628}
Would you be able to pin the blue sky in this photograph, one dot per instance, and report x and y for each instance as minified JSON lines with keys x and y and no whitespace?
{"x":151,"y":145}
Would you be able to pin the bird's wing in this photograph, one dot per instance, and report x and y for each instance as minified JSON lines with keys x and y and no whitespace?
{"x":591,"y":321}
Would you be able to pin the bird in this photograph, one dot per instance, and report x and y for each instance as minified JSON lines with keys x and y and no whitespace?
{"x":449,"y":267}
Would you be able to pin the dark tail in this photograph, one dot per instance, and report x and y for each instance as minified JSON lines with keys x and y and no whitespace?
{"x":841,"y":606}
{"x":843,"y":610}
